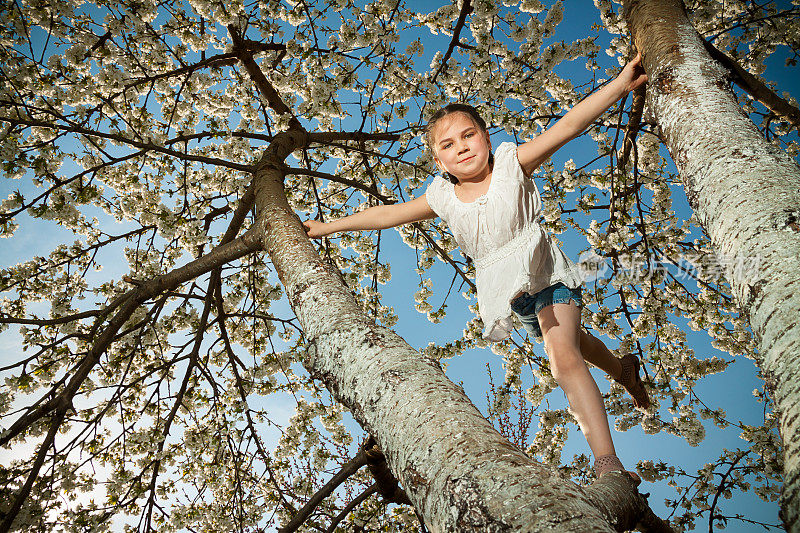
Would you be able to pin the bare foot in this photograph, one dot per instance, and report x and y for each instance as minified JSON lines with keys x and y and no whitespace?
{"x":631,"y":381}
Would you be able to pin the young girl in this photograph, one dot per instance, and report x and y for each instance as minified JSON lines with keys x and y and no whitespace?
{"x":492,"y":206}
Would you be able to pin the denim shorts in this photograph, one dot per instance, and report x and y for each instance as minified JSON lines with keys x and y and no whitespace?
{"x":527,"y":306}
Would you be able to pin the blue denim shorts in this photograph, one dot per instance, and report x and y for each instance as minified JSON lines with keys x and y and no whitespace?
{"x":527,"y":306}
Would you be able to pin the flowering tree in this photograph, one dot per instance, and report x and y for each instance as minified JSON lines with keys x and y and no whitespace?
{"x":170,"y":143}
{"x":722,"y":159}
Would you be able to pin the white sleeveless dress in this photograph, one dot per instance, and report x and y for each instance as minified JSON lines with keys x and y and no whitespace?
{"x":501,"y":233}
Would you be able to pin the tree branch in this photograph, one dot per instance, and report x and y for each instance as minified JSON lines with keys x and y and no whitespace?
{"x":187,"y":376}
{"x":245,"y":55}
{"x":388,"y":486}
{"x":25,"y":491}
{"x":466,"y":9}
{"x":219,"y":59}
{"x":222,"y":254}
{"x":347,"y":470}
{"x":119,"y":138}
{"x":344,"y":181}
{"x":333,"y":136}
{"x":634,"y":123}
{"x":617,"y":498}
{"x":443,"y":254}
{"x":49,"y":321}
{"x":352,"y":505}
{"x":755,"y":87}
{"x":243,"y":395}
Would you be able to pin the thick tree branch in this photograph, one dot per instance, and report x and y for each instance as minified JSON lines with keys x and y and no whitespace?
{"x":266,"y":89}
{"x":388,"y":486}
{"x":616,"y":496}
{"x":755,"y":87}
{"x":722,"y":157}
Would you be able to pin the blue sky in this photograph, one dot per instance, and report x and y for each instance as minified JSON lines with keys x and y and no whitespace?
{"x":633,"y":445}
{"x":35,"y":237}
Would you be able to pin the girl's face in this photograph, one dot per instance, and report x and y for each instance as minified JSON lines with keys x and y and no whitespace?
{"x":461,"y":147}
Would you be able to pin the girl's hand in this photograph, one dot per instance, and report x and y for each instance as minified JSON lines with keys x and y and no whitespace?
{"x":315,"y":229}
{"x":633,"y":75}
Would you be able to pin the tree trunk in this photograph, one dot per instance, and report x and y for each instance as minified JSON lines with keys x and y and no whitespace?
{"x":460,"y":474}
{"x":746,"y":195}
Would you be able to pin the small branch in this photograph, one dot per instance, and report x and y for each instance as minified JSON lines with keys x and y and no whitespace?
{"x":352,"y":505}
{"x":187,"y":377}
{"x":239,"y":134}
{"x":243,"y":395}
{"x":49,"y":321}
{"x":219,"y":60}
{"x":634,"y":123}
{"x":758,"y":90}
{"x":101,"y":41}
{"x":48,"y":442}
{"x":332,"y":136}
{"x":224,"y":253}
{"x":466,"y":9}
{"x":443,"y":254}
{"x":720,"y":489}
{"x":347,"y":470}
{"x":344,"y":181}
{"x":119,"y":138}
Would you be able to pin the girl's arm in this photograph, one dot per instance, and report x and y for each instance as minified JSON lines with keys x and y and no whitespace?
{"x":377,"y":217}
{"x":534,"y":153}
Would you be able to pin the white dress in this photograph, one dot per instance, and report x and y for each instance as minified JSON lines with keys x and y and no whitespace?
{"x":501,"y":233}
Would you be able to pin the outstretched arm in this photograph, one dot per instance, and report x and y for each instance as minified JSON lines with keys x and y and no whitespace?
{"x":377,"y":217}
{"x":534,"y":153}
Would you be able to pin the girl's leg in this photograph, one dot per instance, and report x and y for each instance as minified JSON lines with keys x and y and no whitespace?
{"x":561,"y":332}
{"x":596,"y":352}
{"x":625,"y":371}
{"x":560,"y":328}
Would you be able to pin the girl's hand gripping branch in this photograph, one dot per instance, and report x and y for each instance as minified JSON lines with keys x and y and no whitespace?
{"x":632,"y":75}
{"x":315,"y":229}
{"x":534,"y":153}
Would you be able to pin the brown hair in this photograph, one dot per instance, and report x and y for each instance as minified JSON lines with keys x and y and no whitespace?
{"x":449,"y":109}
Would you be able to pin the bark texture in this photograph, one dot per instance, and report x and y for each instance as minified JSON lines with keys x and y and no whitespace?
{"x":459,"y":473}
{"x":746,"y":195}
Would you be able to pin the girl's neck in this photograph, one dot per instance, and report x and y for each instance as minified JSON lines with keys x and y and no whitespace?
{"x":470,"y":189}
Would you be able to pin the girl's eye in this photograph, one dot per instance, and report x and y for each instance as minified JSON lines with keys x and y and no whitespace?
{"x":446,"y":146}
{"x":470,"y":134}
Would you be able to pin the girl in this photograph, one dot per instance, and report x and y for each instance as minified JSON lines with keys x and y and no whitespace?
{"x":491,"y":206}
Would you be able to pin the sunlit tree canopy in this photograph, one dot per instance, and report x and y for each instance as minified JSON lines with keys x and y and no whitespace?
{"x":151,"y":364}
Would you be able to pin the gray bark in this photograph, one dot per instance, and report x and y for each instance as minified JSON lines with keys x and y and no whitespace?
{"x":460,"y":474}
{"x":746,"y":194}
